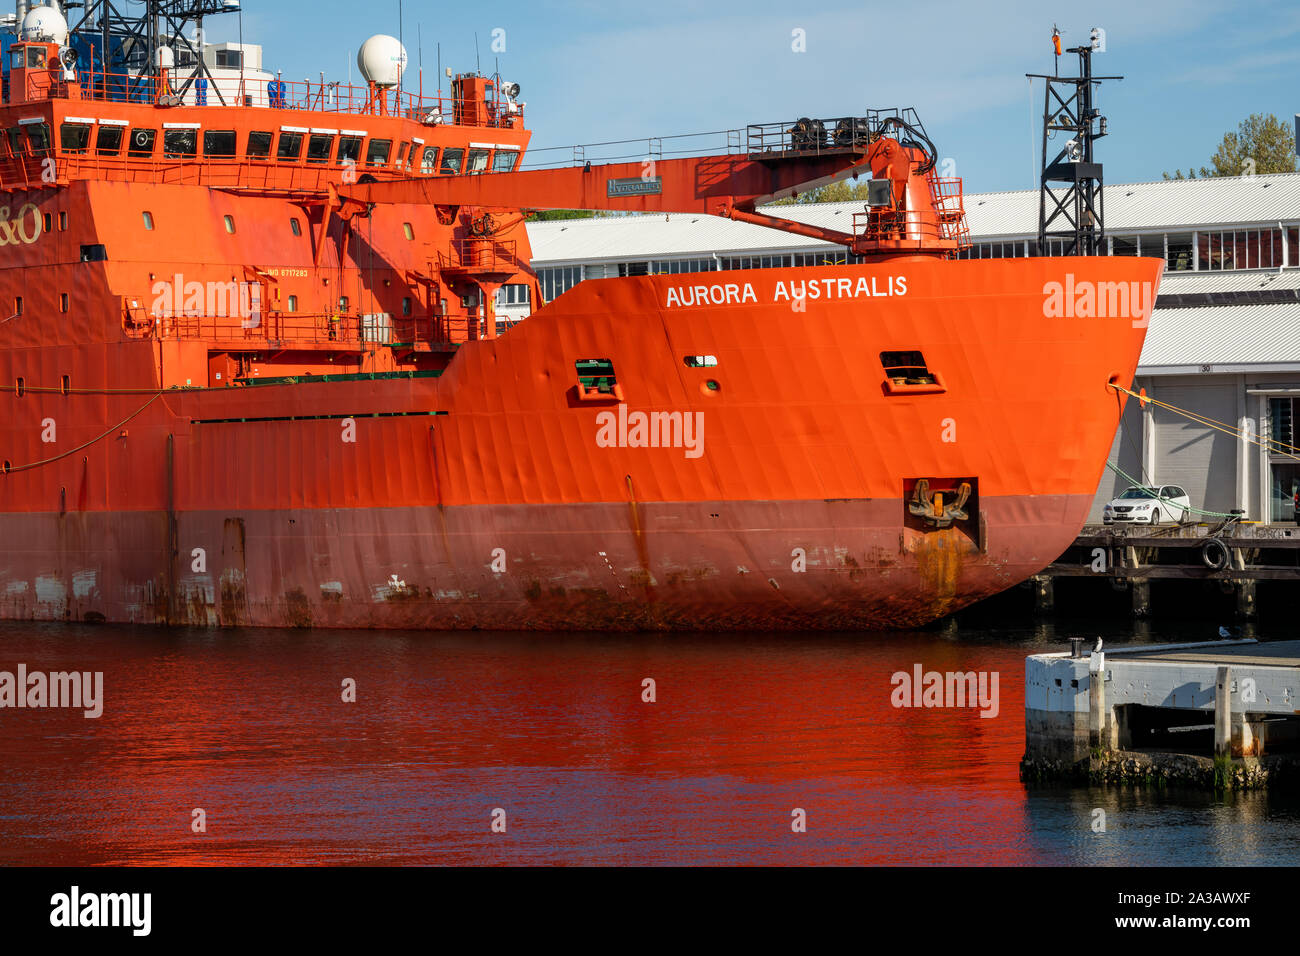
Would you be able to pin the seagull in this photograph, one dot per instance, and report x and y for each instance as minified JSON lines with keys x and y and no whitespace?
{"x":1229,"y":634}
{"x":1096,"y":648}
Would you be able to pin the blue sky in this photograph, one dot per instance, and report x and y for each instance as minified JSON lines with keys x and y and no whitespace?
{"x":597,"y":71}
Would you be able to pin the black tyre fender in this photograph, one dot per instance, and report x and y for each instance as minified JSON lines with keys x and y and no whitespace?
{"x":1215,"y":554}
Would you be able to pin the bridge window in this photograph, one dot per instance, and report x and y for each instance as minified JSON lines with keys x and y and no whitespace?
{"x":401,"y":153}
{"x":219,"y":142}
{"x":478,"y":161}
{"x":429,"y":161}
{"x":451,"y":160}
{"x":504,"y":160}
{"x":379,"y":151}
{"x":259,"y":144}
{"x":16,"y":141}
{"x":75,"y":137}
{"x":142,"y":141}
{"x":180,"y":143}
{"x":35,"y":58}
{"x":290,"y":146}
{"x":350,"y":149}
{"x":108,"y":142}
{"x":319,"y":148}
{"x":38,"y":136}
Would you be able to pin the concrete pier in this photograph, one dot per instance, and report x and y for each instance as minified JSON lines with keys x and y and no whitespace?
{"x":1218,"y":715}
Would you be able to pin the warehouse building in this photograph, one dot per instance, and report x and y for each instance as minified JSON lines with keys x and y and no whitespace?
{"x":1224,"y":342}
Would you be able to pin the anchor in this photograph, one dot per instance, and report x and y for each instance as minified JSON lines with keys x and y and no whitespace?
{"x":932,"y":508}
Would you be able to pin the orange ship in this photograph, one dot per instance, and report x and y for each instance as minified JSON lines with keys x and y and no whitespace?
{"x":253,"y":375}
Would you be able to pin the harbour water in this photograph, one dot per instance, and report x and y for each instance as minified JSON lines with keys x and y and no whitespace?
{"x":550,"y":735}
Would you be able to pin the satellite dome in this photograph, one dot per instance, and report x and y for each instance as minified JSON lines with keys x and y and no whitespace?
{"x":382,"y":60}
{"x":45,"y":24}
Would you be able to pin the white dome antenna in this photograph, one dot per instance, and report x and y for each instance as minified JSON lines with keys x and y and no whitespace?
{"x":382,"y":60}
{"x":44,"y":25}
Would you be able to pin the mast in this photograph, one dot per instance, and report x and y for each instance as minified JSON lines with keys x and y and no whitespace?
{"x":1070,"y":204}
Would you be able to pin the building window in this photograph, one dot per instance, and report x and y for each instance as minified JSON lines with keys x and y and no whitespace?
{"x":148,"y":220}
{"x":230,"y":59}
{"x":516,"y":293}
{"x":1178,"y":252}
{"x":677,"y":266}
{"x":557,"y":280}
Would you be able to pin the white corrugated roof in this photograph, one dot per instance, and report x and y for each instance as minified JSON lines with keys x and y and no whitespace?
{"x":1184,"y":283}
{"x":1228,"y":338}
{"x":1176,"y":205}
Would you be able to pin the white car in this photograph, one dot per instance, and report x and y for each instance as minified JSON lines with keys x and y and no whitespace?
{"x":1142,"y":505}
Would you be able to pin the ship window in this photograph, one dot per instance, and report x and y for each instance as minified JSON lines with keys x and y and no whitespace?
{"x":319,"y":148}
{"x":478,"y":160}
{"x":504,"y":160}
{"x":259,"y":144}
{"x":230,"y":224}
{"x":700,"y":361}
{"x":20,"y":386}
{"x":74,"y":137}
{"x":148,"y":220}
{"x":63,"y":302}
{"x":377,"y":154}
{"x":35,"y":57}
{"x":15,"y":141}
{"x":108,"y":142}
{"x":290,"y":146}
{"x":15,"y":59}
{"x":293,"y":303}
{"x":295,"y":227}
{"x":429,"y":161}
{"x":47,"y":222}
{"x":66,"y":384}
{"x":219,"y":142}
{"x":401,"y":153}
{"x":63,"y":222}
{"x":142,"y":142}
{"x":18,"y":306}
{"x":906,"y":368}
{"x":179,"y":143}
{"x":408,"y":231}
{"x":406,"y":305}
{"x":349,"y":149}
{"x":596,"y":376}
{"x":451,"y":159}
{"x":94,"y":253}
{"x":343,"y":303}
{"x":38,"y":135}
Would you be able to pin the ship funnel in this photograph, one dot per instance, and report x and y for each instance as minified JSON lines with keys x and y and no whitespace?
{"x":382,"y":60}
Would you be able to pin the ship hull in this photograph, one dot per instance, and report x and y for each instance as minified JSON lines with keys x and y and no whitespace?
{"x":497,"y":496}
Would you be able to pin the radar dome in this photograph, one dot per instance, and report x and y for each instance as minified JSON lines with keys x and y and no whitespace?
{"x":45,"y":24}
{"x":382,"y":60}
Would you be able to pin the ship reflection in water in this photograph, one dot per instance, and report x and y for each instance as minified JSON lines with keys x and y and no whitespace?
{"x":250,"y":727}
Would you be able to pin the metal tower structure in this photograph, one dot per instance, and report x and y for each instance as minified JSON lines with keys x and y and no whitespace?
{"x":130,"y":44}
{"x":1070,"y":204}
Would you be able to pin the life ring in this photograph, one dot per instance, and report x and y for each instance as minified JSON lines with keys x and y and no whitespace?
{"x":1215,"y":554}
{"x":142,"y":137}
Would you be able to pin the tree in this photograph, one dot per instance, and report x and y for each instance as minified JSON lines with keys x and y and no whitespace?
{"x":1261,"y":144}
{"x":547,"y":215}
{"x":841,"y":191}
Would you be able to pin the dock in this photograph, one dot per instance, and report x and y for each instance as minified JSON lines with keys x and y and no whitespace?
{"x":1222,"y":715}
{"x":1130,"y":558}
